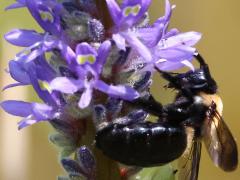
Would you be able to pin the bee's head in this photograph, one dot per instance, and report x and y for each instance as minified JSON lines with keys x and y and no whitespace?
{"x":196,"y":81}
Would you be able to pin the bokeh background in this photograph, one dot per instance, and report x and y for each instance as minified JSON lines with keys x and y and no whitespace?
{"x":27,"y":154}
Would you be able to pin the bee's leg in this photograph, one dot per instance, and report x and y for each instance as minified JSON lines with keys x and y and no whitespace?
{"x":132,"y":118}
{"x":203,"y":64}
{"x":175,"y":113}
{"x":177,"y":85}
{"x":149,"y":105}
{"x":170,"y":78}
{"x":200,"y":60}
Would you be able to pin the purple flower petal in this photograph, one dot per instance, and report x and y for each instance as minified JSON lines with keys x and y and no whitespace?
{"x":120,"y":91}
{"x":168,"y":12}
{"x":43,"y":69}
{"x":65,"y":85}
{"x":86,"y":54}
{"x":130,"y":13}
{"x":120,"y":41}
{"x":186,"y":39}
{"x":171,"y":66}
{"x":171,"y":32}
{"x":17,"y":108}
{"x":66,"y":52}
{"x":26,"y":122}
{"x":165,"y":65}
{"x":18,"y":72}
{"x":85,"y":98}
{"x":114,"y":10}
{"x":24,"y":38}
{"x":175,"y":54}
{"x":42,"y":111}
{"x":33,"y":55}
{"x":137,"y":7}
{"x":151,"y":36}
{"x":138,"y":45}
{"x":102,"y":56}
{"x":42,"y":93}
{"x":12,"y":85}
{"x":85,"y":49}
{"x":47,"y":14}
{"x":188,"y":64}
{"x":18,"y":4}
{"x":48,"y":44}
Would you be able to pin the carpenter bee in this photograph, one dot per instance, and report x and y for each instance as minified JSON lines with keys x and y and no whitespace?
{"x":199,"y":107}
{"x":195,"y":114}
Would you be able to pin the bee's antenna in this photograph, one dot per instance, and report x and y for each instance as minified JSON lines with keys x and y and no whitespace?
{"x":200,"y":60}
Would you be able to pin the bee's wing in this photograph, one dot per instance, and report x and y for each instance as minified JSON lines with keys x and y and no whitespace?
{"x":188,"y":164}
{"x":219,"y":142}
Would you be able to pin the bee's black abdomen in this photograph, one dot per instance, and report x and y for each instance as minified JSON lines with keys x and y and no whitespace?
{"x":142,"y":144}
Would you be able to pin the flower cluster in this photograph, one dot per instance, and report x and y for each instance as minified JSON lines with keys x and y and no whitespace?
{"x":78,"y":63}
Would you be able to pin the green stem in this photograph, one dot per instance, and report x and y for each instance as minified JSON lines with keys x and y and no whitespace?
{"x":104,"y":15}
{"x":107,"y":169}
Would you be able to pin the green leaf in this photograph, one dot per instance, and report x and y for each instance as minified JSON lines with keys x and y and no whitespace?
{"x":156,"y":173}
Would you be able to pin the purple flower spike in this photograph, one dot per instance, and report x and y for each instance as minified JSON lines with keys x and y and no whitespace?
{"x":81,"y":61}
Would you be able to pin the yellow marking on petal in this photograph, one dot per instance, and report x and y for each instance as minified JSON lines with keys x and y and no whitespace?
{"x":82,"y":59}
{"x":134,"y":10}
{"x":45,"y":86}
{"x":127,"y":11}
{"x":46,"y":16}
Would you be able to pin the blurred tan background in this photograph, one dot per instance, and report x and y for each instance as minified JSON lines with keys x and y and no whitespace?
{"x":27,"y":154}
